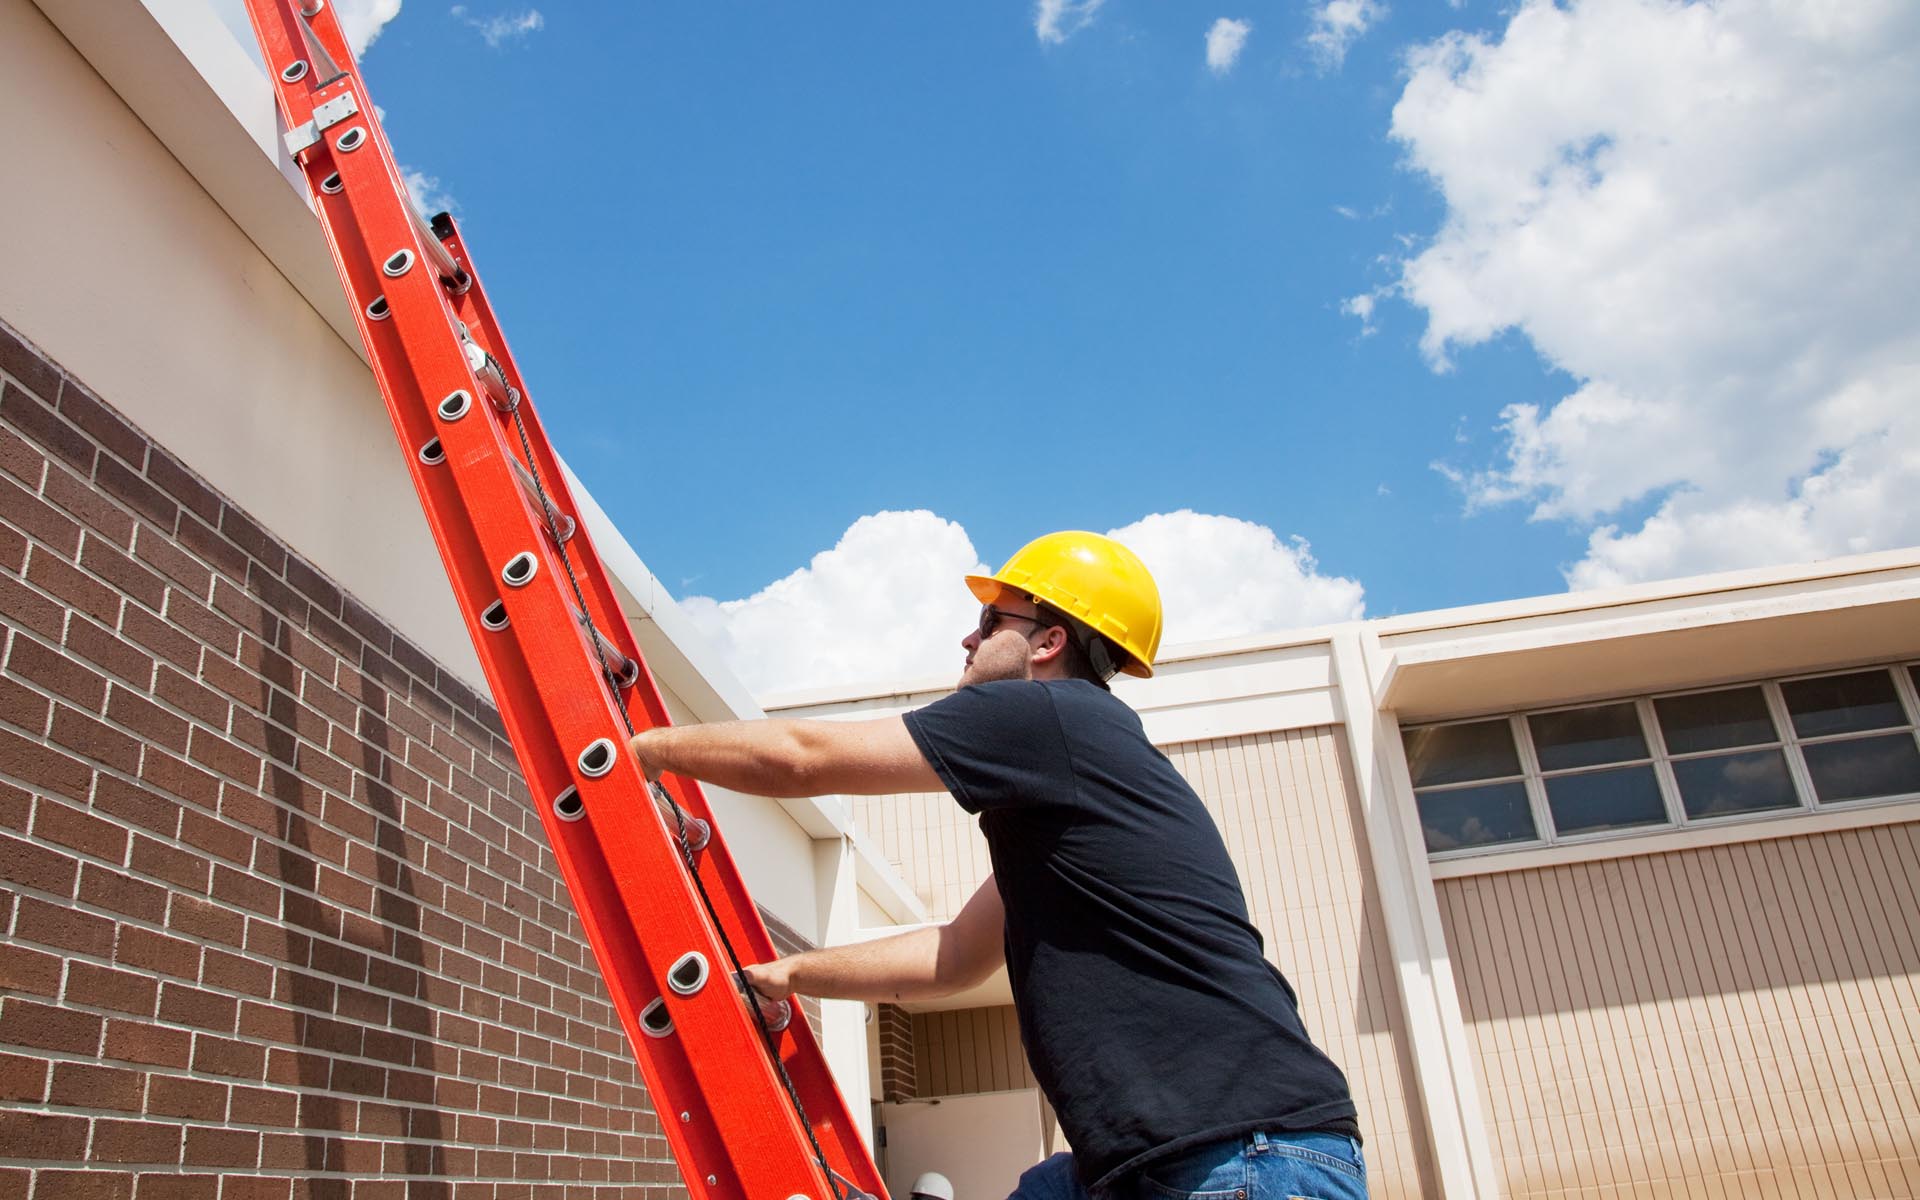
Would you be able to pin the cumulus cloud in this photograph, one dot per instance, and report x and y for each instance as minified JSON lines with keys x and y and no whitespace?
{"x":1225,"y":41}
{"x":1337,"y":24}
{"x":885,"y":604}
{"x":428,"y":195}
{"x":496,"y":31}
{"x":1054,"y":21}
{"x":1703,"y":214}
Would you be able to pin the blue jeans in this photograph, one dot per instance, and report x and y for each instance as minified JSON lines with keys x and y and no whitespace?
{"x":1259,"y":1166}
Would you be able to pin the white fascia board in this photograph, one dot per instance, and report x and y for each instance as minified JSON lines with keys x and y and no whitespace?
{"x":180,"y":70}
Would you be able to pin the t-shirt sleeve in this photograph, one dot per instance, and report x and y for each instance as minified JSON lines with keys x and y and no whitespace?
{"x":996,"y":745}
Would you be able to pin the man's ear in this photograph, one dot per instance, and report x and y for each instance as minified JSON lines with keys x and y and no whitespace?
{"x":1052,"y":646}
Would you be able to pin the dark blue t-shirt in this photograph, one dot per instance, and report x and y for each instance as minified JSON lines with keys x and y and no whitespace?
{"x":1150,"y":1015}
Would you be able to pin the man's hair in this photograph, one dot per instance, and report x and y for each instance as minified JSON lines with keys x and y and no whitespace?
{"x":1087,"y":651}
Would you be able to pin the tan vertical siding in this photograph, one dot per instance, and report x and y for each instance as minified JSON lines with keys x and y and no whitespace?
{"x":934,"y":843}
{"x":1735,"y":1020}
{"x":1287,"y":807}
{"x":970,"y":1050}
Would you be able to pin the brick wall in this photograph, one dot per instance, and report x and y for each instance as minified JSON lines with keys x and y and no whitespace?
{"x":897,"y":1075}
{"x":278,"y":921}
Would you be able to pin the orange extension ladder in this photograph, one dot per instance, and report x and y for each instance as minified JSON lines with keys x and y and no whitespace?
{"x":749,"y":1108}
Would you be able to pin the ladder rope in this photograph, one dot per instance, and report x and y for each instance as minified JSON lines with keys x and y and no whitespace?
{"x":833,"y":1177}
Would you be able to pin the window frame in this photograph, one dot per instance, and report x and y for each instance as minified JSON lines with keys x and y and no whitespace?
{"x":1785,"y":739}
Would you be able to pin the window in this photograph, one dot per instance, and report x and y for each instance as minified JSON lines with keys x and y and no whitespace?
{"x":1660,"y":762}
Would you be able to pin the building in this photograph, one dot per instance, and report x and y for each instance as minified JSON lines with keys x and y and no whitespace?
{"x":1606,"y":893}
{"x":278,"y":922}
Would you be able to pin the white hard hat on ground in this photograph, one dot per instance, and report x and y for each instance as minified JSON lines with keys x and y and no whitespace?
{"x":933,"y":1186}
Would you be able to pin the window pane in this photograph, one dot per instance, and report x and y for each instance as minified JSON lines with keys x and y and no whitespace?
{"x":1715,"y":720}
{"x":1459,"y":753}
{"x":1862,"y":768}
{"x":1734,"y":783}
{"x":1476,"y":816}
{"x":1599,"y":800}
{"x":1588,"y":737}
{"x":1843,"y":703}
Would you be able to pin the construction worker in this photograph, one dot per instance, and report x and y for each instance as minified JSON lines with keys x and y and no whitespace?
{"x":1172,"y":1052}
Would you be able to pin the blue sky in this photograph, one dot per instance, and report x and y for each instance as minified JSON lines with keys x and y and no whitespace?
{"x":1477,"y":301}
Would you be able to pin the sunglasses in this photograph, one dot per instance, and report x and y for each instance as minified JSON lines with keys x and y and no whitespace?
{"x":990,"y":618}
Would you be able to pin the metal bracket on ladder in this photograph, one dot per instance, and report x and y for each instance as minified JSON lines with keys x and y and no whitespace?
{"x":325,"y":116}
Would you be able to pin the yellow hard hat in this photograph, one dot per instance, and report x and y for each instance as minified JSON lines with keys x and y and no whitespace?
{"x":1093,"y":579}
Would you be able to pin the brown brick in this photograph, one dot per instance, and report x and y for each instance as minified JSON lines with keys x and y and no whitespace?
{"x":108,"y":649}
{"x":37,"y":419}
{"x":205,"y":921}
{"x":191,"y":696}
{"x":78,"y":498}
{"x":108,"y":987}
{"x":223,"y":756}
{"x":44,"y":523}
{"x":43,"y":1135}
{"x":177,"y":777}
{"x":234,"y":681}
{"x":267,"y":1022}
{"x":339,"y":639}
{"x":94,"y":739}
{"x":150,"y":951}
{"x":266,"y":1106}
{"x":250,"y":536}
{"x":170,"y":1186}
{"x":72,"y":586}
{"x":101,"y":423}
{"x":25,"y":608}
{"x":275,"y":595}
{"x":121,"y":893}
{"x":123,"y":573}
{"x":255,"y":1187}
{"x":189,"y":1099}
{"x":23,"y":1078}
{"x":22,"y":707}
{"x":45,"y":1027}
{"x":147,"y":720}
{"x":63,"y":926}
{"x":135,"y":1142}
{"x":132,"y":490}
{"x":82,"y":1185}
{"x":154,"y":634}
{"x":13,"y":547}
{"x":181,"y":1004}
{"x":21,"y":459}
{"x":21,"y":360}
{"x":79,"y":830}
{"x":24,"y":969}
{"x":174,"y":564}
{"x":44,"y":767}
{"x":213,"y":1055}
{"x":216,"y":837}
{"x":204,"y":541}
{"x":25,"y":864}
{"x":183,"y":485}
{"x":145,"y":1042}
{"x":131,"y":804}
{"x":193,"y":617}
{"x":58,"y":673}
{"x":246,"y":890}
{"x":235,"y":973}
{"x":87,"y":1085}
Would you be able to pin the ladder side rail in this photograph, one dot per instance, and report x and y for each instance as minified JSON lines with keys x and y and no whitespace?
{"x":734,"y":908}
{"x":568,"y":691}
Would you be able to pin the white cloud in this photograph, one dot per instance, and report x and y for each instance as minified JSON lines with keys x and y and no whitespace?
{"x":1703,"y":214}
{"x":1337,"y":24}
{"x":1054,"y":21}
{"x":499,"y":30}
{"x":1362,"y":306}
{"x":886,"y":603}
{"x":428,"y":194}
{"x":1222,"y":577}
{"x":1225,"y":41}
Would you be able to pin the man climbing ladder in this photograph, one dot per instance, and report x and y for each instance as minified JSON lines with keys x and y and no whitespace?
{"x":1172,"y":1051}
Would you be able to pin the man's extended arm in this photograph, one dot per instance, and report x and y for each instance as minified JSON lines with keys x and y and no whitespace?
{"x":783,"y":758}
{"x":924,"y":964}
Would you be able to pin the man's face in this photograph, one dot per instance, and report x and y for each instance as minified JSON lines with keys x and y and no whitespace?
{"x":1001,"y":646}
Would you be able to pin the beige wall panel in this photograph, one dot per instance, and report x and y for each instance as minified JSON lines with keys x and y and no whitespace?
{"x":1289,"y":811}
{"x":969,"y":1050}
{"x":933,"y":842}
{"x":1738,"y":1020}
